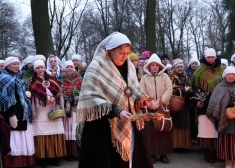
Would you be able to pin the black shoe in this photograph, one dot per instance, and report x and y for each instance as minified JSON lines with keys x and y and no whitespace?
{"x":164,"y":159}
{"x":153,"y":158}
{"x":43,"y":163}
{"x":70,"y":158}
{"x":55,"y":162}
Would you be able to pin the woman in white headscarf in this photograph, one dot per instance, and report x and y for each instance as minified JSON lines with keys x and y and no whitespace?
{"x":54,"y":65}
{"x":108,"y":98}
{"x":193,"y":64}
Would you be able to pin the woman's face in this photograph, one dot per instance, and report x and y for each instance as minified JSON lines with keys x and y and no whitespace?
{"x":14,"y":67}
{"x":194,"y":65}
{"x":76,"y":62}
{"x":230,"y":77}
{"x":135,"y":63}
{"x":179,"y":69}
{"x":223,"y":65}
{"x":40,"y":70}
{"x":1,"y":67}
{"x":119,"y":54}
{"x":154,"y":67}
{"x":69,"y":69}
{"x":53,"y":62}
{"x":211,"y":59}
{"x":30,"y":65}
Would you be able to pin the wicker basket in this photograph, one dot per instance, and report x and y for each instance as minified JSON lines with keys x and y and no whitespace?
{"x":230,"y":112}
{"x":176,"y":103}
{"x":56,"y":114}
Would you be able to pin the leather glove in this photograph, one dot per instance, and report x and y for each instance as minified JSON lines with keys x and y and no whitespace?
{"x":13,"y":121}
{"x":124,"y":115}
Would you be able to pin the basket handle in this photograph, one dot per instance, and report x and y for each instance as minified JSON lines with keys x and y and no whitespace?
{"x":180,"y":92}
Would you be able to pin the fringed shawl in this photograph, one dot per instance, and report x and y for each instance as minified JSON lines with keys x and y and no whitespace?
{"x":218,"y":103}
{"x":207,"y":77}
{"x":71,"y":82}
{"x":103,"y":86}
{"x":9,"y":84}
{"x":38,"y":91}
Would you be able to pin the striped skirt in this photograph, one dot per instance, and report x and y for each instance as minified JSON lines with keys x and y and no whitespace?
{"x":158,"y":143}
{"x":208,"y":142}
{"x":72,"y":147}
{"x":181,"y":138}
{"x":50,"y":146}
{"x":226,"y":147}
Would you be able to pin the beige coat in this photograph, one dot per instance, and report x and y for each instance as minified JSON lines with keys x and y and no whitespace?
{"x":157,"y":86}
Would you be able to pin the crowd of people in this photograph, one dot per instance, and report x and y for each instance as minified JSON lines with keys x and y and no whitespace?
{"x":100,"y":100}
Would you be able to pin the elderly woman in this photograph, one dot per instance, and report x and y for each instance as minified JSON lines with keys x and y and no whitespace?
{"x":223,"y":96}
{"x":54,"y":65}
{"x":181,"y":83}
{"x":17,"y":111}
{"x":157,"y":85}
{"x":71,"y":85}
{"x":108,"y":98}
{"x":49,"y":135}
{"x":135,"y":60}
{"x":204,"y":81}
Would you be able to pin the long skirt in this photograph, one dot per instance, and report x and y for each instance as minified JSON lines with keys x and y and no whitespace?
{"x":208,"y":142}
{"x":226,"y":147}
{"x":50,"y":146}
{"x":97,"y":149}
{"x":70,"y":131}
{"x":22,"y":149}
{"x":159,"y":143}
{"x":181,"y":138}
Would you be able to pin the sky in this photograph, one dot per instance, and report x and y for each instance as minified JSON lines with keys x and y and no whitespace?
{"x":22,"y":8}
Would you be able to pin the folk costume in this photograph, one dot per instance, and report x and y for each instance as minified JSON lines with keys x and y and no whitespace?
{"x":71,"y":85}
{"x":106,"y":141}
{"x":157,"y":86}
{"x":223,"y":97}
{"x":49,"y":135}
{"x":204,"y":81}
{"x":17,"y":111}
{"x":181,"y":132}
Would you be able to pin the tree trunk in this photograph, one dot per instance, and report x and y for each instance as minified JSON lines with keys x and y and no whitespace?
{"x":150,"y":26}
{"x":41,"y":27}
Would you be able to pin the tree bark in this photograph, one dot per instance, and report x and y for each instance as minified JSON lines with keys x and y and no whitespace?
{"x":41,"y":27}
{"x":150,"y":26}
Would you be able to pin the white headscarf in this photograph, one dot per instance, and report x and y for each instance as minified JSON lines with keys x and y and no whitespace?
{"x":232,"y":57}
{"x":210,"y":52}
{"x":69,"y":62}
{"x":2,"y":61}
{"x":60,"y":64}
{"x":10,"y":60}
{"x":26,"y":61}
{"x":228,"y":69}
{"x":77,"y":56}
{"x":112,"y":41}
{"x":37,"y":63}
{"x":224,"y":61}
{"x":38,"y":57}
{"x":193,"y":59}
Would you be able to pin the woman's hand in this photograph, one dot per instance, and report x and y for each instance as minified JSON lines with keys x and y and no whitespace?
{"x":13,"y":121}
{"x":124,"y":115}
{"x":200,"y":104}
{"x":154,"y":105}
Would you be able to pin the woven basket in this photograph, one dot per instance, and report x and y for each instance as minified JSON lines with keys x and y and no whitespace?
{"x":176,"y":103}
{"x":56,"y":114}
{"x":230,"y":112}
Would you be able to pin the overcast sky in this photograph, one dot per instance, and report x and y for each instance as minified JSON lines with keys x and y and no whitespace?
{"x":22,"y":8}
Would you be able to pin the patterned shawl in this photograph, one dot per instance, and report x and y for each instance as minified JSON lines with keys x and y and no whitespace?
{"x":39,"y":91}
{"x":207,"y":77}
{"x":218,"y":103}
{"x":9,"y":84}
{"x":179,"y":80}
{"x":103,"y":86}
{"x":71,"y":82}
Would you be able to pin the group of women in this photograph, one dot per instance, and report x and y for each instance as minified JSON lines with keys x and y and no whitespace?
{"x":28,"y":95}
{"x":112,"y":91}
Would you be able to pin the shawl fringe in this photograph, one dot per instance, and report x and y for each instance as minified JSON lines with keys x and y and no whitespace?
{"x":94,"y":112}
